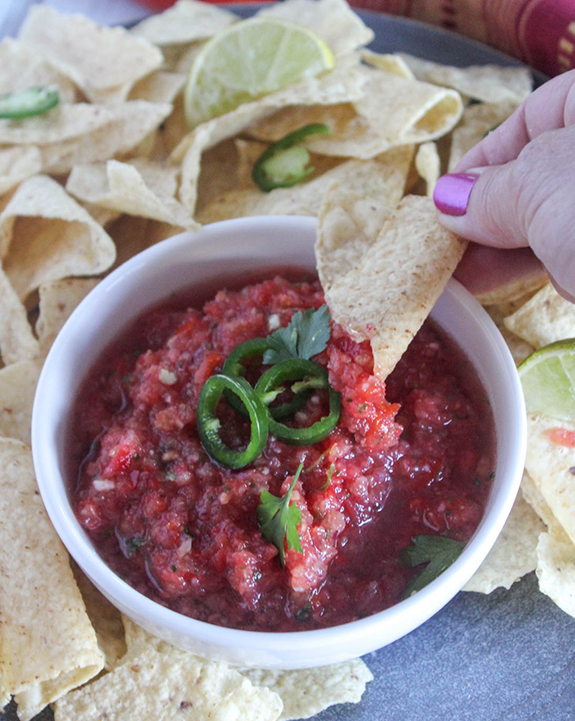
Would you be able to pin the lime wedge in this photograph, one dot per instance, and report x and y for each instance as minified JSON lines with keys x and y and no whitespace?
{"x":548,"y":379}
{"x":250,"y":59}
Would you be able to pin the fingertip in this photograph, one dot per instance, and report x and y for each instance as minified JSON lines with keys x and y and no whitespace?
{"x":452,"y":192}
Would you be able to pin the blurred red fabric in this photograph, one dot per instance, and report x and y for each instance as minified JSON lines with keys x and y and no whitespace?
{"x":539,"y":32}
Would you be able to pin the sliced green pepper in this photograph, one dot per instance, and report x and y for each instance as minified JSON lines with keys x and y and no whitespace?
{"x":209,"y":425}
{"x":282,"y":164}
{"x":25,"y":103}
{"x":298,"y":369}
{"x":234,"y":367}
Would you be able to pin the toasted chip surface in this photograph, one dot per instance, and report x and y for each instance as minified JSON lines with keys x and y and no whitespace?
{"x":428,"y":165}
{"x":514,"y":553}
{"x":312,"y":690}
{"x":17,"y":341}
{"x":389,"y":294}
{"x":58,"y":298}
{"x":45,"y":235}
{"x":556,"y":568}
{"x":549,"y":465}
{"x":17,"y":387}
{"x":489,"y":83}
{"x":47,"y":643}
{"x":545,"y":318}
{"x":17,"y":164}
{"x":170,"y":685}
{"x":104,"y":62}
{"x":333,"y":20}
{"x":185,"y":22}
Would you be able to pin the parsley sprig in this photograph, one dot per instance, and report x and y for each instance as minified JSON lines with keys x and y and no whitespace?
{"x":305,"y":335}
{"x":278,"y":519}
{"x":438,"y":552}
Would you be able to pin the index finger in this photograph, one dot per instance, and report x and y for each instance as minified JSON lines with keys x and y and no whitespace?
{"x":550,"y":107}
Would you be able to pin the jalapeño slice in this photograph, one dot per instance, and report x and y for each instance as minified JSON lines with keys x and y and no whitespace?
{"x":209,"y":425}
{"x":285,"y":163}
{"x":26,"y":103}
{"x":309,"y":375}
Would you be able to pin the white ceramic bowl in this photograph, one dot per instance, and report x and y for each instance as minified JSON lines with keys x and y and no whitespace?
{"x":239,"y":246}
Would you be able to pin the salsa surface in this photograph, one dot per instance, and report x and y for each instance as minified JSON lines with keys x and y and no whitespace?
{"x":184,"y":531}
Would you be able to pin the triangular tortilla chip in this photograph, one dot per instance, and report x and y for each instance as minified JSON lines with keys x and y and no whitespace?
{"x":104,"y":62}
{"x":17,"y":388}
{"x":17,"y":341}
{"x":389,"y":294}
{"x":185,"y":22}
{"x":46,"y":235}
{"x":47,"y":644}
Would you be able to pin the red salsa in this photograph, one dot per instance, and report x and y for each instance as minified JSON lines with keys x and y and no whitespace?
{"x":414,"y":456}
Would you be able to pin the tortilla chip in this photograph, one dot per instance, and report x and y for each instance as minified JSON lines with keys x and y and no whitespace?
{"x":187,"y":58}
{"x":389,"y":294}
{"x":24,"y":67}
{"x":488,"y":83}
{"x":17,"y":164}
{"x":58,"y":299}
{"x":47,"y":643}
{"x":477,"y":121}
{"x":545,"y":318}
{"x":171,"y":685}
{"x":428,"y":165}
{"x":552,"y":468}
{"x":556,"y":568}
{"x":514,"y":553}
{"x":17,"y":388}
{"x":127,"y":125}
{"x":333,"y":20}
{"x":533,"y":496}
{"x":519,"y":348}
{"x":17,"y":341}
{"x":350,"y":218}
{"x":186,"y":22}
{"x":312,"y":690}
{"x":342,"y":84}
{"x":56,"y":126}
{"x":158,"y":87}
{"x":45,"y":235}
{"x":517,"y":292}
{"x":387,"y":62}
{"x":138,"y":188}
{"x":105,"y":618}
{"x":393,"y":111}
{"x":104,"y":62}
{"x":302,"y":199}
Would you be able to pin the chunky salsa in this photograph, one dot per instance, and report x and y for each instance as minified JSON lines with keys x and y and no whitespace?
{"x":412,"y":457}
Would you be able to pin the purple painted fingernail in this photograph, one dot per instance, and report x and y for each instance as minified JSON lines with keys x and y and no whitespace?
{"x":451,"y":193}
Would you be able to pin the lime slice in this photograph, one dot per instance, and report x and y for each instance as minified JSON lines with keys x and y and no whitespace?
{"x":250,"y":59}
{"x":548,"y":379}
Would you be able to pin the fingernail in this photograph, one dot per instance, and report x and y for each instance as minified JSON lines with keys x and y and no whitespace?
{"x":451,"y":193}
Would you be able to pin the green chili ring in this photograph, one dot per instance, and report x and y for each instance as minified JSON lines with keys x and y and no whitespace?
{"x":233,"y":367}
{"x":209,"y":425}
{"x":296,"y":169}
{"x":292,"y":370}
{"x":26,"y":103}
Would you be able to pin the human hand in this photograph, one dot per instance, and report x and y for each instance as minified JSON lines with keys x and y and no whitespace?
{"x":514,"y":194}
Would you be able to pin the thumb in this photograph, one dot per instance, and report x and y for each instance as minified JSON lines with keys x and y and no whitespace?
{"x":482,"y":205}
{"x":529,"y":201}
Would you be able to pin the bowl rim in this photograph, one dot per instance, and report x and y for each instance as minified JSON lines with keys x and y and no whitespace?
{"x":434,"y":596}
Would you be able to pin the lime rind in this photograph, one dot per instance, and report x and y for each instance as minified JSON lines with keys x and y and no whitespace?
{"x":248,"y":60}
{"x":548,"y":380}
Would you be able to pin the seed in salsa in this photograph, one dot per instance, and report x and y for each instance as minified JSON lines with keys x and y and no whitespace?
{"x":409,"y":458}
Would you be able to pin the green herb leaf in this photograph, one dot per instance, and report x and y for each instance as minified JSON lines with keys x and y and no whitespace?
{"x":306,"y":335}
{"x":279,"y":519}
{"x":437,"y":551}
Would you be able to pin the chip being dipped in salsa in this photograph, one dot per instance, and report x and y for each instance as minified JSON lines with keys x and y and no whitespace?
{"x":406,"y":459}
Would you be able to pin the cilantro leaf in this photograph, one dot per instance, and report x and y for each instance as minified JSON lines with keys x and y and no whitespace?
{"x":437,"y":551}
{"x":305,"y":335}
{"x":278,"y":519}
